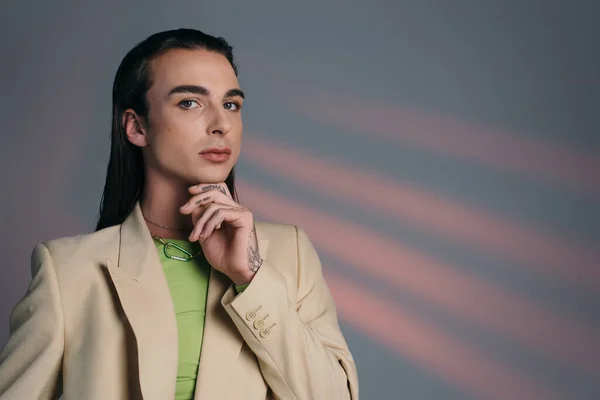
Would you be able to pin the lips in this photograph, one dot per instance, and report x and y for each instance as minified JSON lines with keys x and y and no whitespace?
{"x":216,"y":154}
{"x":217,"y":150}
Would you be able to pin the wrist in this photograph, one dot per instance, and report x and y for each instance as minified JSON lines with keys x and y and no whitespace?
{"x":242,"y":279}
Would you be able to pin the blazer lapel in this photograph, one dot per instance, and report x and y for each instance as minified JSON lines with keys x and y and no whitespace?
{"x":146,"y":301}
{"x":222,"y":341}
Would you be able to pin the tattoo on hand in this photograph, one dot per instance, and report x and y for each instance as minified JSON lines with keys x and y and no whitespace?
{"x":209,"y":187}
{"x":254,"y":260}
{"x":204,"y":199}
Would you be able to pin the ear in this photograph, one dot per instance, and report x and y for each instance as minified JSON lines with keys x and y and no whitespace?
{"x":134,"y":128}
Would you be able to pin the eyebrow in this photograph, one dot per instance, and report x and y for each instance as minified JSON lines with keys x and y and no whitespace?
{"x":202,"y":91}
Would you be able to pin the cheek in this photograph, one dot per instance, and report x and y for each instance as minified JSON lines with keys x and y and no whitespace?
{"x":236,"y":148}
{"x":175,"y":128}
{"x":235,"y":134}
{"x":235,"y":155}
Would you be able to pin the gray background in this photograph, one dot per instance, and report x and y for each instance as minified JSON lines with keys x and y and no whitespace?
{"x":442,"y":155}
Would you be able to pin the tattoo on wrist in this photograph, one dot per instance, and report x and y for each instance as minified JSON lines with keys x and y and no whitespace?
{"x":254,"y":260}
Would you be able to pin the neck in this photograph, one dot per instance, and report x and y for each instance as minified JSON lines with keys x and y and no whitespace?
{"x":160,"y":204}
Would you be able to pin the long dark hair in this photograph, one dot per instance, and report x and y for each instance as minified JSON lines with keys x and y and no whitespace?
{"x":125,"y":174}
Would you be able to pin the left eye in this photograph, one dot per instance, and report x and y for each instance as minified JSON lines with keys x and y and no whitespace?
{"x":232,"y":106}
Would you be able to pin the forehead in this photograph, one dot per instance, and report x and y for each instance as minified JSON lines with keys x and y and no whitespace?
{"x":192,"y":67}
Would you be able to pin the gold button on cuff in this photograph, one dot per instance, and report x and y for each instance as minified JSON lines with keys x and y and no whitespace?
{"x":265,"y":332}
{"x":251,"y":315}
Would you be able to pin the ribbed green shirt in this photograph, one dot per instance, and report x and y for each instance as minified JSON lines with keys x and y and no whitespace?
{"x":188,"y":283}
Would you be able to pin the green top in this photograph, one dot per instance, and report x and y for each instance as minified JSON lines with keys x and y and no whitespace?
{"x":188,"y":283}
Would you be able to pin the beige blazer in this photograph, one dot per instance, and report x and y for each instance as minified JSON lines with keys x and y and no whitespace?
{"x":97,"y":323}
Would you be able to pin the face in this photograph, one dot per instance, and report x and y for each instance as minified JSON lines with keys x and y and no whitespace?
{"x":194,"y":129}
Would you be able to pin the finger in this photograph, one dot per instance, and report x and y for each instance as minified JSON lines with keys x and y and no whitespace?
{"x":196,"y":202}
{"x":204,"y":187}
{"x":199,"y":225}
{"x":222,"y":214}
{"x":209,"y":227}
{"x":206,"y":197}
{"x":198,"y":212}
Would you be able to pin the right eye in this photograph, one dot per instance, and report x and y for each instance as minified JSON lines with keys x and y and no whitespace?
{"x":187,"y":104}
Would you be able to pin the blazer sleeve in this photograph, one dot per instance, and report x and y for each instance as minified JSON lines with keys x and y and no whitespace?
{"x":30,"y":362}
{"x":300,"y":347}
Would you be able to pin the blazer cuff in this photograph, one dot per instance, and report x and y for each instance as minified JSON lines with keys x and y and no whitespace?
{"x":264,"y":299}
{"x":240,"y":288}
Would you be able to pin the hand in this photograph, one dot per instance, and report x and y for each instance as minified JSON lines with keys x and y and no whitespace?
{"x":225,"y":230}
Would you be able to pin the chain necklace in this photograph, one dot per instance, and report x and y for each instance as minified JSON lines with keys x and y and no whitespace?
{"x":166,"y":245}
{"x":164,"y":227}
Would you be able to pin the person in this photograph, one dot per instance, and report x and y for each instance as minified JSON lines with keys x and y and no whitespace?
{"x":179,"y":293}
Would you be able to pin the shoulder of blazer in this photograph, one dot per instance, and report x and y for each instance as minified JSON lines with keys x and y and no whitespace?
{"x":72,"y":252}
{"x":274,"y":231}
{"x":282,"y":253}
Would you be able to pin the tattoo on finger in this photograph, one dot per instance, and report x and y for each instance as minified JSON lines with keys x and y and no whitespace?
{"x":219,"y":187}
{"x":202,"y":200}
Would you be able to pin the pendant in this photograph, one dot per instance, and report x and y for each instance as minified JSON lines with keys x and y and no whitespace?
{"x":188,"y":258}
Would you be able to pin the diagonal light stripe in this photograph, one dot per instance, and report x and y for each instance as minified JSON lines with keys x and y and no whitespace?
{"x":405,"y":203}
{"x":534,"y":158}
{"x":429,"y":346}
{"x":443,"y":285}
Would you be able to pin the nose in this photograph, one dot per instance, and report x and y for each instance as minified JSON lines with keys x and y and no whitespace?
{"x":220,"y":124}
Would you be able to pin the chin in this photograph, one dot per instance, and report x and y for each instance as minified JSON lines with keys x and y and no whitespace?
{"x":216,"y":177}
